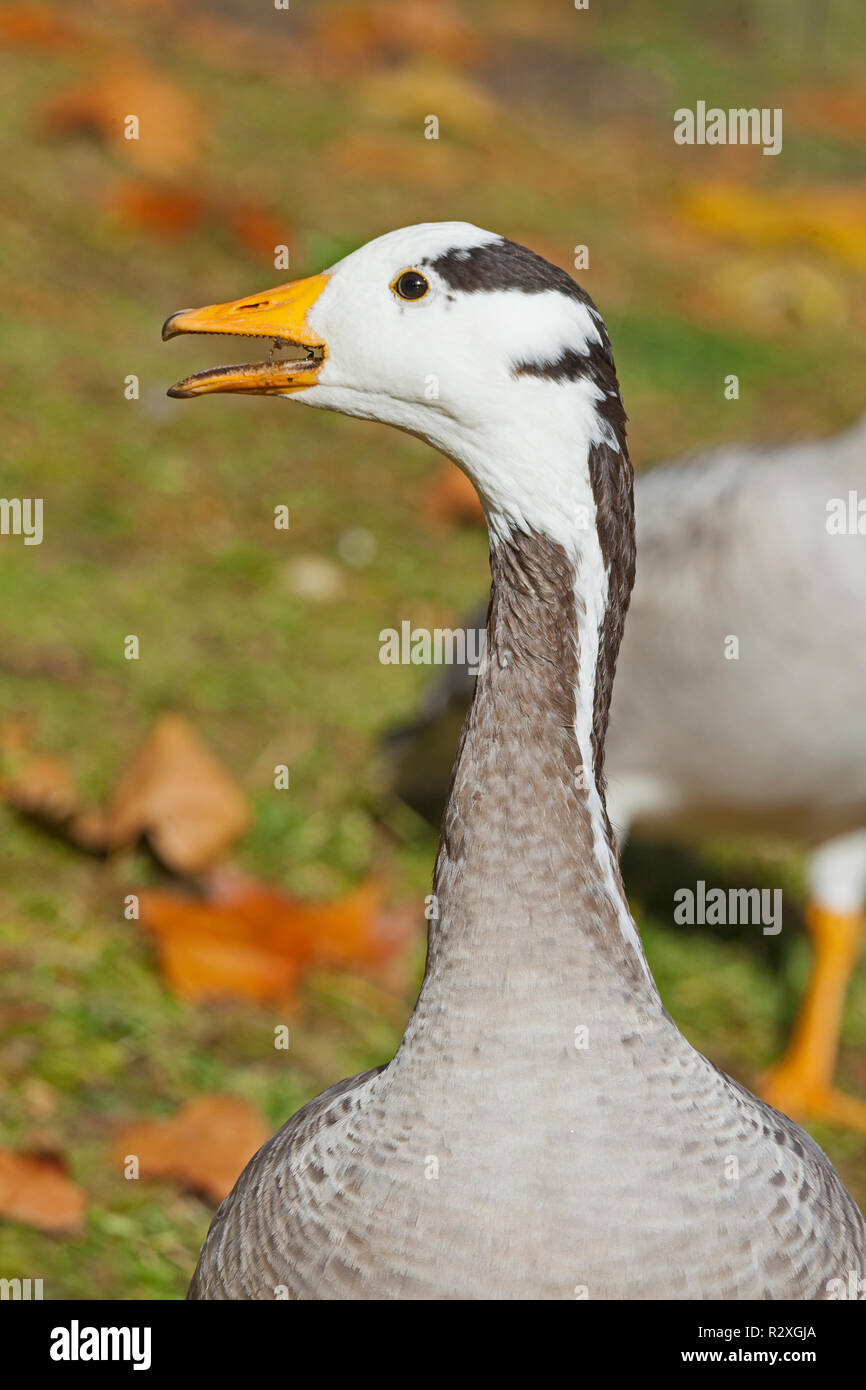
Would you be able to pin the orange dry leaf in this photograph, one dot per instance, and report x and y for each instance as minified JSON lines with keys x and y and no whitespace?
{"x":40,"y":27}
{"x":205,"y":1145}
{"x":41,"y":786}
{"x":251,"y":942}
{"x":254,"y":229}
{"x":169,"y":137}
{"x":352,"y":36}
{"x":838,"y":109}
{"x":177,"y":794}
{"x":35,"y":1189}
{"x":159,"y":209}
{"x":34,"y":782}
{"x":174,"y":793}
{"x":172,"y":211}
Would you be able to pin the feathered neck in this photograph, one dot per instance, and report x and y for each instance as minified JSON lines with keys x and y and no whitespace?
{"x":528,"y":905}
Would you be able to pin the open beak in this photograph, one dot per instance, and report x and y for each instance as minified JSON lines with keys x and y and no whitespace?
{"x":293,"y":362}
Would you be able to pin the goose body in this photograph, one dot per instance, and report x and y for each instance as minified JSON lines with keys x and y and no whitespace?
{"x":544,"y":1130}
{"x":736,"y":543}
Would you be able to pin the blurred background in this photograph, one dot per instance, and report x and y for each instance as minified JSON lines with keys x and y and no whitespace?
{"x":189,"y":948}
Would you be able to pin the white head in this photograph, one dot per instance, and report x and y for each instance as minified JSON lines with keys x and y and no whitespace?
{"x":480,"y":347}
{"x":499,"y":360}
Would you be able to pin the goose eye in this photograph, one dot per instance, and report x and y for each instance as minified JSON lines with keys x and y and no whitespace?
{"x":410,"y":285}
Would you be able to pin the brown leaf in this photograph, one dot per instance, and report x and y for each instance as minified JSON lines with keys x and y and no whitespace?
{"x":41,"y":786}
{"x":838,"y":109}
{"x":169,"y":127}
{"x":248,"y":941}
{"x":39,"y":27}
{"x":254,"y":229}
{"x":177,"y":794}
{"x":352,"y":36}
{"x":159,"y":209}
{"x":172,"y":211}
{"x":174,"y":793}
{"x":205,"y":1145}
{"x":35,"y":1189}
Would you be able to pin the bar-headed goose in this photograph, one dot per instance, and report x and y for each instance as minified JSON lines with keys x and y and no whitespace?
{"x":739,"y":704}
{"x":738,"y":698}
{"x":543,"y":1130}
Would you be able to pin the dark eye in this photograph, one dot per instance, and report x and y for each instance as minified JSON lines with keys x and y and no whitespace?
{"x":410,"y":285}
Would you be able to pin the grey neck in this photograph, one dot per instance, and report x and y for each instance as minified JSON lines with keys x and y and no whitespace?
{"x":526,"y":916}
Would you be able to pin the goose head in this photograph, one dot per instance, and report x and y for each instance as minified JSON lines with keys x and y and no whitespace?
{"x":475,"y":344}
{"x":500,"y":361}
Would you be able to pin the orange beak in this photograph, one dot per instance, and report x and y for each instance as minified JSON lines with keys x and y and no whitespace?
{"x":280,"y":315}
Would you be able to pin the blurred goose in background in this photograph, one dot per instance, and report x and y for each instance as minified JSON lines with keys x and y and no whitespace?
{"x":543,"y":1128}
{"x":765,"y":735}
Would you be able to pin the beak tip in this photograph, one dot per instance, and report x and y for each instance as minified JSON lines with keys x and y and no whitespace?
{"x":168,"y":331}
{"x":178,"y":393}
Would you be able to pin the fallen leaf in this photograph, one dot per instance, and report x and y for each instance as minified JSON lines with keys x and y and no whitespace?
{"x":160,"y":210}
{"x":42,"y":787}
{"x":169,"y":137}
{"x":35,"y":1189}
{"x":254,"y":229}
{"x":247,"y":940}
{"x":205,"y":1145}
{"x":346,"y":37}
{"x":177,"y":794}
{"x":38,"y":27}
{"x":172,"y":211}
{"x":838,"y":109}
{"x":174,"y":793}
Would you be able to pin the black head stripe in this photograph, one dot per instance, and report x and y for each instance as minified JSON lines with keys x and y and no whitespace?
{"x":503,"y":265}
{"x":593,"y":363}
{"x":571,"y":365}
